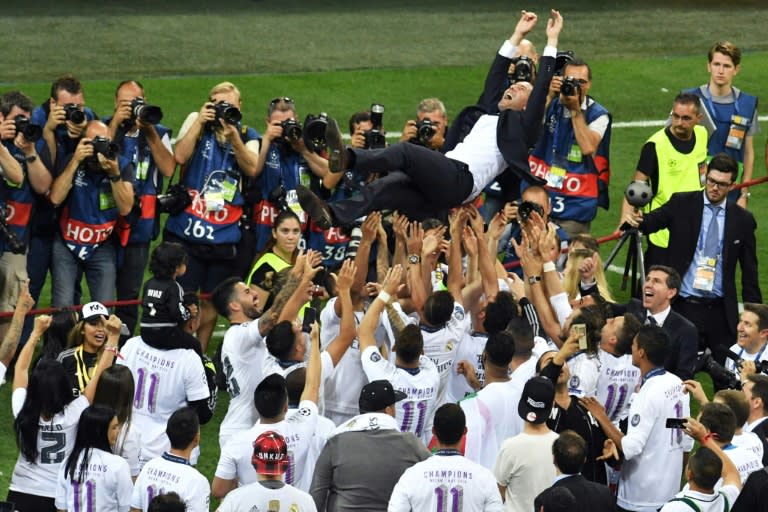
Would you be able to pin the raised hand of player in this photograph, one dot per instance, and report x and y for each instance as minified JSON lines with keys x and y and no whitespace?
{"x":516,"y":285}
{"x":346,"y":275}
{"x":609,"y":451}
{"x":25,"y":300}
{"x":469,"y":241}
{"x":392,"y":280}
{"x":42,"y":323}
{"x":526,"y":23}
{"x":467,"y":369}
{"x":694,"y":388}
{"x":554,"y":27}
{"x":475,"y":220}
{"x":400,"y":227}
{"x":529,"y":260}
{"x":497,"y":225}
{"x":370,"y":226}
{"x":457,"y":220}
{"x":695,"y":429}
{"x":415,"y":238}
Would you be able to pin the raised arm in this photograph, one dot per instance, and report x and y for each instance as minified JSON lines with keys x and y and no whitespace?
{"x":312,"y":380}
{"x":21,"y":373}
{"x":367,"y":328}
{"x":342,"y":342}
{"x":455,"y":268}
{"x":24,"y":304}
{"x":486,"y":259}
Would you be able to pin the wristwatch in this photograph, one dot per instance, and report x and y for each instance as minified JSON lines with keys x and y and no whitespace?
{"x":534,"y":279}
{"x":115,"y":179}
{"x":31,"y":158}
{"x":414,"y":259}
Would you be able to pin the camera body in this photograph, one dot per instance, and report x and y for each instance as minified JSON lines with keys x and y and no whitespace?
{"x":374,"y":138}
{"x":425,"y":130}
{"x":314,"y":132}
{"x":31,"y":132}
{"x":570,"y":87}
{"x":292,"y":131}
{"x":12,"y":241}
{"x":522,"y":71}
{"x":525,"y":210}
{"x":104,"y":146}
{"x":73,"y":113}
{"x":175,"y":200}
{"x":149,"y":114}
{"x":226,"y":111}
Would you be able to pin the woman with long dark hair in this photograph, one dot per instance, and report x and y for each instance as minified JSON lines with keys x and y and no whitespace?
{"x":93,"y":478}
{"x":85,"y":342}
{"x":115,"y":389}
{"x":47,"y":413}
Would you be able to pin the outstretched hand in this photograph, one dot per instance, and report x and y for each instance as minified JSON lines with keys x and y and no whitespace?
{"x":526,"y":23}
{"x":554,"y":27}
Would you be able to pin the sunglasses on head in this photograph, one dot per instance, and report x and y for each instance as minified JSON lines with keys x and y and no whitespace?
{"x":284,"y":99}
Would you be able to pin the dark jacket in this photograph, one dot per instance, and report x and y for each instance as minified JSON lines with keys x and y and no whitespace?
{"x":590,"y":496}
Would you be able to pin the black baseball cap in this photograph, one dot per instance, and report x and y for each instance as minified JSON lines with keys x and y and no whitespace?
{"x":377,"y":395}
{"x":536,"y":400}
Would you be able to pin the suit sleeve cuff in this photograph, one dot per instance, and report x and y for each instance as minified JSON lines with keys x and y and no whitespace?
{"x":549,"y":51}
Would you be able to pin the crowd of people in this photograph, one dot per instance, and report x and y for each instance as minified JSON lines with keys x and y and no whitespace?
{"x":417,"y":326}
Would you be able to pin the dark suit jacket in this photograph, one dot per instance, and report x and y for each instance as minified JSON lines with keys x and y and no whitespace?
{"x":682,"y":216}
{"x":762,"y":432}
{"x":683,"y":338}
{"x":590,"y":496}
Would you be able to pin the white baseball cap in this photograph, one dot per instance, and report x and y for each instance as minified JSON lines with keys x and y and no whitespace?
{"x":94,"y":309}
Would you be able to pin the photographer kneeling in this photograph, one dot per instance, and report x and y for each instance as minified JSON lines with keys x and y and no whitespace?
{"x":94,"y":187}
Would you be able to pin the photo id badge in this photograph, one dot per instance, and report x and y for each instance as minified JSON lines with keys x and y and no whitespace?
{"x":229,"y":188}
{"x":292,"y":200}
{"x":556,"y":177}
{"x":737,"y":132}
{"x":704,"y":278}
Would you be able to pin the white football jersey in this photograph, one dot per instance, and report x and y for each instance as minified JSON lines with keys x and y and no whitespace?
{"x":257,"y":496}
{"x":106,"y":484}
{"x":446,"y":482}
{"x":414,"y":413}
{"x":585,"y":369}
{"x":55,"y":440}
{"x":166,"y":380}
{"x":323,"y":431}
{"x":243,"y":353}
{"x":171,"y":474}
{"x":751,"y":441}
{"x":616,"y":383}
{"x":471,"y":349}
{"x":441,"y":344}
{"x":745,"y":460}
{"x":651,"y":474}
{"x":297,"y":429}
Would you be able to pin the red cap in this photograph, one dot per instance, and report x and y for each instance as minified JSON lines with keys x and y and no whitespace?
{"x":270,"y":454}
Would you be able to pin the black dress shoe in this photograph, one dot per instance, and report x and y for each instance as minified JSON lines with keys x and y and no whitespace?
{"x":337,"y":153}
{"x":315,"y":207}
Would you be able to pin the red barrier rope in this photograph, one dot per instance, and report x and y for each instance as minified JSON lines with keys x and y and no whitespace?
{"x":205,"y":296}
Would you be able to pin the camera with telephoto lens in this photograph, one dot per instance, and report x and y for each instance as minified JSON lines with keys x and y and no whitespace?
{"x":527,"y":208}
{"x":705,"y":363}
{"x":104,"y":146}
{"x":374,"y":138}
{"x":149,"y":114}
{"x":12,"y":241}
{"x":314,"y":132}
{"x":73,"y":113}
{"x":31,"y":132}
{"x":425,"y":130}
{"x":570,"y":87}
{"x":175,"y":200}
{"x":562,"y":59}
{"x":292,"y":131}
{"x":760,"y":366}
{"x":522,"y":71}
{"x":226,"y":111}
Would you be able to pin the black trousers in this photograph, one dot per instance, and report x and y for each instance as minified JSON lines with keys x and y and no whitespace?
{"x":421,"y":182}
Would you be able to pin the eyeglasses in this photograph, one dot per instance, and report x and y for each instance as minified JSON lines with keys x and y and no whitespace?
{"x":718,"y":184}
{"x":686,"y":119}
{"x":284,"y":99}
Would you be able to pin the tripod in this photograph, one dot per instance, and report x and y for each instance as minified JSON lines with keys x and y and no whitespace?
{"x":635,"y":262}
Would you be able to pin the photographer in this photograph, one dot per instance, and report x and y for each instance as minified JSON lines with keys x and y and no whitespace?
{"x":216,"y":151}
{"x":751,"y":338}
{"x":284,"y":162}
{"x":572,"y":152}
{"x":147,"y":146}
{"x":23,"y":172}
{"x":94,"y":187}
{"x":430,"y":125}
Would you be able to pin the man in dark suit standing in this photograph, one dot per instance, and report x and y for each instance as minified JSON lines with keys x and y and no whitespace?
{"x":570,"y":453}
{"x":662,"y":284}
{"x":421,"y":181}
{"x":708,"y":236}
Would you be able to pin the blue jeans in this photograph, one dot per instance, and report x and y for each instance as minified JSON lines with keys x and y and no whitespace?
{"x":99,"y":269}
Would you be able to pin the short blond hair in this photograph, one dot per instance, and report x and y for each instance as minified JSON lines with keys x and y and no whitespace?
{"x":432,"y":105}
{"x":223,"y":87}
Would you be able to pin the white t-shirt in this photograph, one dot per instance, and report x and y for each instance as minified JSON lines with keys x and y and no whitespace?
{"x":55,"y":440}
{"x":446,"y":482}
{"x":416,"y":412}
{"x":751,"y":441}
{"x":730,"y":364}
{"x":106,"y":484}
{"x":243,"y":353}
{"x":480,"y":151}
{"x":585,"y":370}
{"x":297,"y":429}
{"x":166,"y":380}
{"x":470,"y":349}
{"x":165,"y":474}
{"x":616,"y":384}
{"x":705,"y":502}
{"x":323,"y":431}
{"x":441,"y":345}
{"x":256,"y":496}
{"x":525,"y":467}
{"x":128,"y":446}
{"x":650,"y":476}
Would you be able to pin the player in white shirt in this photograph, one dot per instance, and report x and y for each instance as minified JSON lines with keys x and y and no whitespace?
{"x":413,"y":373}
{"x":752,"y":337}
{"x":166,"y":380}
{"x":271,"y":460}
{"x":92,"y":477}
{"x":653,"y":454}
{"x":470,"y":350}
{"x":447,"y":480}
{"x":172,"y":471}
{"x":271,"y":399}
{"x":10,"y":340}
{"x":618,"y":377}
{"x":46,"y":416}
{"x":737,"y":402}
{"x":243,"y":350}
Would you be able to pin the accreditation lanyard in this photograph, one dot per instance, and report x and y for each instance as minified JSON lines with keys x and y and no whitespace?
{"x":711,"y":106}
